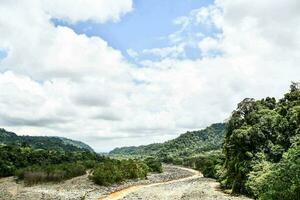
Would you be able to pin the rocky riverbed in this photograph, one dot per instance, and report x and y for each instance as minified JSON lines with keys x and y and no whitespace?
{"x":198,"y":188}
{"x":173,"y":184}
{"x":80,"y":188}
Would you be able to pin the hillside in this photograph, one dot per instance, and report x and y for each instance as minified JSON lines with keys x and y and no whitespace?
{"x":42,"y":142}
{"x":210,"y":138}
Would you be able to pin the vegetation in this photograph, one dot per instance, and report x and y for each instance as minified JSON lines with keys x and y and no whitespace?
{"x":154,"y":165}
{"x":280,"y":180}
{"x":15,"y":157}
{"x":186,"y":145}
{"x":262,"y":156}
{"x":209,"y":163}
{"x":40,"y":165}
{"x":50,"y":173}
{"x":39,"y":142}
{"x":115,"y":171}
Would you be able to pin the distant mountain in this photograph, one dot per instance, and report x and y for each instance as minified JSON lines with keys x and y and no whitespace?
{"x":43,"y":142}
{"x":210,"y":138}
{"x":76,"y":143}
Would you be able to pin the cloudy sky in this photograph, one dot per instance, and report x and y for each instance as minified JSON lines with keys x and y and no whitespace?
{"x":128,"y":72}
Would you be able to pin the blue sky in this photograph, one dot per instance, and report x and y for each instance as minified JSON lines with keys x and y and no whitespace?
{"x":3,"y":54}
{"x":146,"y":27}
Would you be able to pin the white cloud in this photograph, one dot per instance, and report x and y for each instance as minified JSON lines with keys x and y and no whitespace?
{"x":173,"y":51}
{"x":252,"y":61}
{"x":84,"y":10}
{"x":57,"y":82}
{"x":132,"y":53}
{"x":208,"y":45}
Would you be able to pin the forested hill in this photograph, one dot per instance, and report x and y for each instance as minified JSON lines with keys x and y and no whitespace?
{"x":210,"y":138}
{"x":42,"y":142}
{"x":262,"y":147}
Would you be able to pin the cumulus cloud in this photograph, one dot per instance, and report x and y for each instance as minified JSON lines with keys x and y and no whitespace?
{"x":241,"y":59}
{"x":132,"y":53}
{"x":93,"y":10}
{"x":54,"y":81}
{"x":208,"y":46}
{"x":173,"y":51}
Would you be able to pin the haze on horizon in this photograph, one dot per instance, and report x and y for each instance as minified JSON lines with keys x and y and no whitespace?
{"x":129,"y":72}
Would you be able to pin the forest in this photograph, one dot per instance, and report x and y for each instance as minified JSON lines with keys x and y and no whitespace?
{"x":262,"y":148}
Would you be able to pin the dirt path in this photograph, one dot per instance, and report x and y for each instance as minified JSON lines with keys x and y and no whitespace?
{"x":194,"y":187}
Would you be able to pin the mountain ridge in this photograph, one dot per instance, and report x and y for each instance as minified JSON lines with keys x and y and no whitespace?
{"x":210,"y":138}
{"x":43,"y":142}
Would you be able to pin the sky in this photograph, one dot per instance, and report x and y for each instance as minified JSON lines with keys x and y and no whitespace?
{"x":131,"y":72}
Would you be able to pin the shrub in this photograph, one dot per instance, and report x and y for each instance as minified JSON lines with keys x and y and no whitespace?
{"x":153,"y":164}
{"x":106,"y":174}
{"x":6,"y":168}
{"x":209,"y":164}
{"x":50,"y":173}
{"x":133,"y":169}
{"x":114,"y":171}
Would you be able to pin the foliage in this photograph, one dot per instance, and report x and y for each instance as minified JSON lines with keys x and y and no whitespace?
{"x":50,"y":173}
{"x":277,"y":180}
{"x":185,"y":145}
{"x":37,"y":165}
{"x":115,"y":171}
{"x":45,"y":159}
{"x":39,"y":142}
{"x":261,"y":152}
{"x":15,"y":157}
{"x":154,"y":165}
{"x":209,"y":163}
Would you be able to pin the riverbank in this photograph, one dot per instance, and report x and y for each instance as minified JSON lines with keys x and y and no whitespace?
{"x":176,"y":183}
{"x":81,"y":187}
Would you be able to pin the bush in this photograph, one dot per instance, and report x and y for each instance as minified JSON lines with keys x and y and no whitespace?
{"x":32,"y":178}
{"x":209,"y":163}
{"x":50,"y":173}
{"x":133,"y":169}
{"x":114,"y":171}
{"x":89,"y":164}
{"x":106,"y":174}
{"x":153,"y":164}
{"x":6,"y":168}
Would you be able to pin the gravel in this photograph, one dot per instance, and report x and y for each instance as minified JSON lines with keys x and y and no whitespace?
{"x":174,"y":183}
{"x":192,"y":189}
{"x":79,"y":188}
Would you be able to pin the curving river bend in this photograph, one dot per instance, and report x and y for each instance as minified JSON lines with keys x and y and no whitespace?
{"x":175,"y":183}
{"x":193,"y":187}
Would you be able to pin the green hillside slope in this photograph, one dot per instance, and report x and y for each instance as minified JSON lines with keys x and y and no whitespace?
{"x":210,"y":138}
{"x":42,"y":142}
